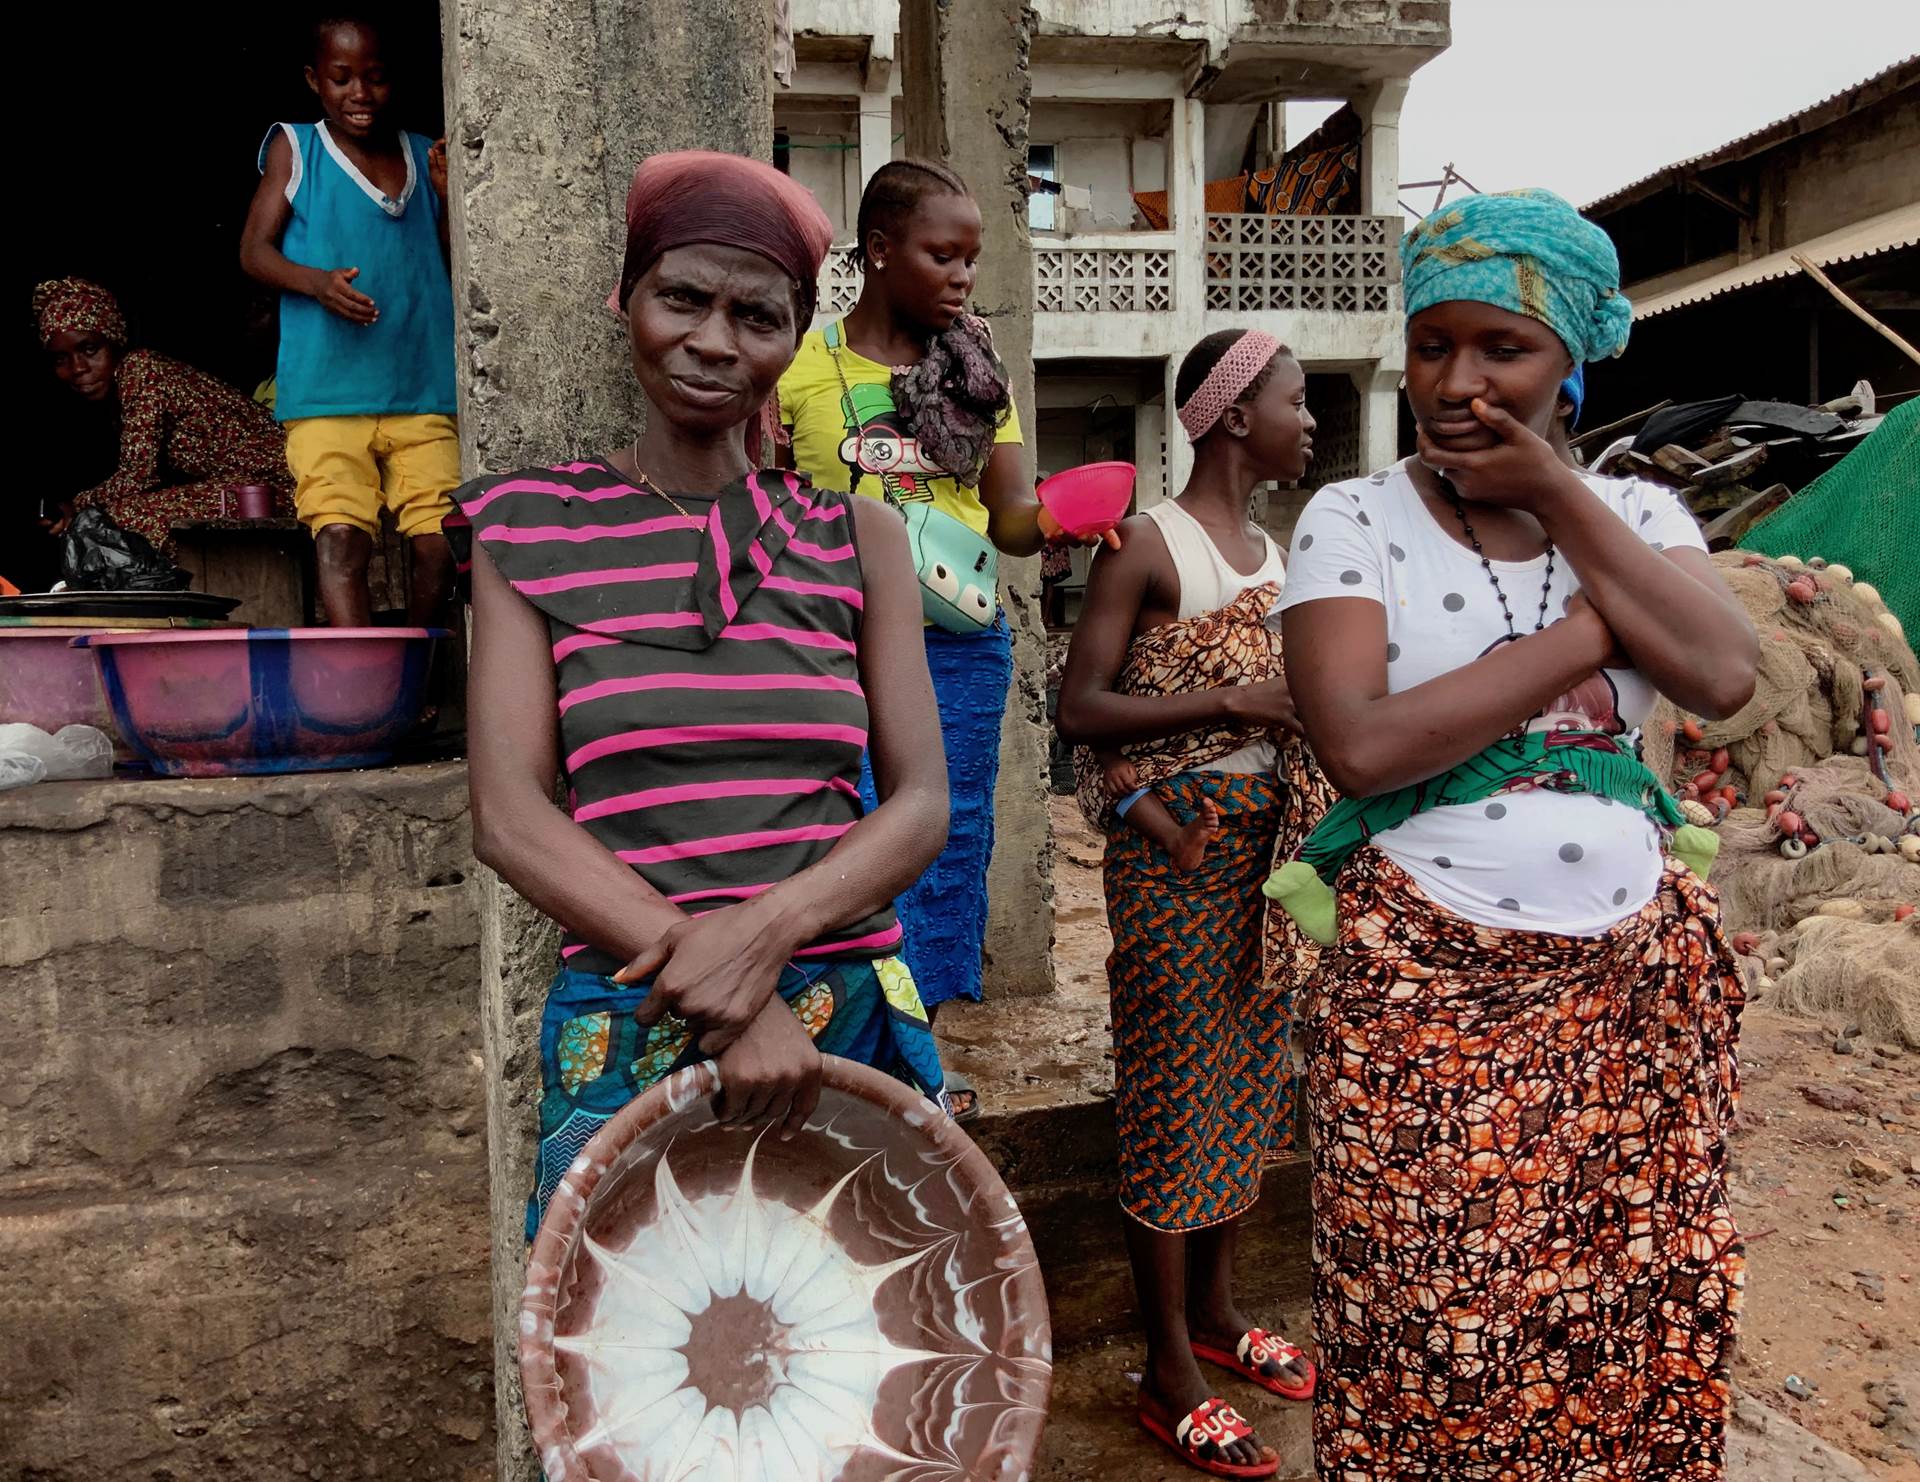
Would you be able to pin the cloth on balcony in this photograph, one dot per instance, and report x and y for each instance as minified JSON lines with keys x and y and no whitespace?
{"x":783,"y":58}
{"x":1319,"y":176}
{"x":1223,"y":197}
{"x":1525,"y":1262}
{"x":1528,"y":252}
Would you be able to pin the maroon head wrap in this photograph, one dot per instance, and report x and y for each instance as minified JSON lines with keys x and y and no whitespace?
{"x":74,"y":303}
{"x":697,"y":195}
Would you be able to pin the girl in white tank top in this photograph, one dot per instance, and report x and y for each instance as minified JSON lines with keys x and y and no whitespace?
{"x":1208,"y":582}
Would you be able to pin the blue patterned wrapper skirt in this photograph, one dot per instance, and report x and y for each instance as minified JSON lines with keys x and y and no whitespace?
{"x":595,"y":1056}
{"x":1201,"y":1075}
{"x":944,"y":912}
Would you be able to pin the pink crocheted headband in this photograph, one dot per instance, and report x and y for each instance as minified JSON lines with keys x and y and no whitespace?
{"x":1232,"y":373}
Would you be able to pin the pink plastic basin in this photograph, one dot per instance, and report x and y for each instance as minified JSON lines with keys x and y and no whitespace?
{"x":46,"y":682}
{"x":1090,"y":499}
{"x":217,"y":702}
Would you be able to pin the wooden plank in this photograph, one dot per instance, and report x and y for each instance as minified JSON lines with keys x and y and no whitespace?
{"x":1630,"y":462}
{"x":262,"y":567}
{"x":1602,"y":434}
{"x":1807,"y":266}
{"x":1732,"y":470}
{"x":1678,"y":460}
{"x":1730,"y":528}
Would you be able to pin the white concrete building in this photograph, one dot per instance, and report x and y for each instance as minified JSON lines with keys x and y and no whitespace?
{"x":1140,"y":96}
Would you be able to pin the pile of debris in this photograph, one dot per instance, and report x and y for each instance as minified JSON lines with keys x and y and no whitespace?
{"x":1812,"y":788}
{"x":1733,"y":461}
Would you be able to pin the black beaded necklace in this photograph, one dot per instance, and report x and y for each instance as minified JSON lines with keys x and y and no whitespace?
{"x":1460,"y":511}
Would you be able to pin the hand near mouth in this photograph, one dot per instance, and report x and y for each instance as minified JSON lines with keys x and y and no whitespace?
{"x":1520,"y":469}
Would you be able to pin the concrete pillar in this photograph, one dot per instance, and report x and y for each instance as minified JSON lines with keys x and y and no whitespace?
{"x":968,"y":94}
{"x":876,"y":137}
{"x":1187,"y":204}
{"x":1179,"y":450}
{"x":549,"y":108}
{"x":1149,"y":426}
{"x":1379,"y":388}
{"x":1379,"y":110}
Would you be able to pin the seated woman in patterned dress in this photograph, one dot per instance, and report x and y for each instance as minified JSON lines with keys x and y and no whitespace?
{"x":1520,"y":1065}
{"x":186,"y":438}
{"x":703,"y":646}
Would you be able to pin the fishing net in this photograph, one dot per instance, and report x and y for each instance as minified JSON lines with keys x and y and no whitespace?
{"x":1815,"y":658}
{"x":1863,"y":512}
{"x":1827,"y":917}
{"x":1854,"y":973}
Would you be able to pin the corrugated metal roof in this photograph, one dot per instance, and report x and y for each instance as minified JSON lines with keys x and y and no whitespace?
{"x":1735,"y":146}
{"x":1877,"y":234}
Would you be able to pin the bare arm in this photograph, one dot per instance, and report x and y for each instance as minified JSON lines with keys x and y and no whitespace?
{"x":1120,"y":586}
{"x":262,"y":260}
{"x":1370,"y":741}
{"x":437,"y":178}
{"x":1668,"y":609}
{"x":142,"y":432}
{"x":518,"y":832}
{"x":1013,"y":514}
{"x":716,"y":971}
{"x":1665,"y":610}
{"x":1016,"y":522}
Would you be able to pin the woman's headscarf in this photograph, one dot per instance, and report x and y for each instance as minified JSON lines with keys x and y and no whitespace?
{"x":697,"y":195}
{"x":692,"y":196}
{"x":75,"y":304}
{"x":1526,"y":251}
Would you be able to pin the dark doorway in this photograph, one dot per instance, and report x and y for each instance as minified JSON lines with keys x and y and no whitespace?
{"x":147,"y":123}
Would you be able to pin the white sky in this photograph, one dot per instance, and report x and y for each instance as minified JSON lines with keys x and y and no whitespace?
{"x":1584,"y":96}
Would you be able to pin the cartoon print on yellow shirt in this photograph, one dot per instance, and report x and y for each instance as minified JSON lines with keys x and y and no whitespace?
{"x":884,"y":445}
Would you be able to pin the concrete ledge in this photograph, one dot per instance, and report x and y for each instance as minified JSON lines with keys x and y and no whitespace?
{"x":242,"y":1177}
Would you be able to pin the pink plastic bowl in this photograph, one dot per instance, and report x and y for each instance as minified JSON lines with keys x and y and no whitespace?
{"x":1090,"y":499}
{"x":214,"y":702}
{"x":46,"y":682}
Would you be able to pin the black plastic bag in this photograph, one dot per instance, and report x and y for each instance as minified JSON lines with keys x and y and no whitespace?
{"x":96,"y":555}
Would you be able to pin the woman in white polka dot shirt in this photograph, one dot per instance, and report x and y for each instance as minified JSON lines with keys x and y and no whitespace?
{"x":1521,"y":1054}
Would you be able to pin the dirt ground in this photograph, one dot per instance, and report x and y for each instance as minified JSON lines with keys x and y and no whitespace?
{"x":1826,"y":1184}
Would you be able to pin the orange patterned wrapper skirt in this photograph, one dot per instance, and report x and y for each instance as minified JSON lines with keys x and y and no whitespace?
{"x":1525,"y":1265}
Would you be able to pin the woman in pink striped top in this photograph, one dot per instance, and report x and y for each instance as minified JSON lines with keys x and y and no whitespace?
{"x":704,"y":649}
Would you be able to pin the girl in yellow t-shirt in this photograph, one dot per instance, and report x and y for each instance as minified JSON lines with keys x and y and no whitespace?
{"x":955,"y":442}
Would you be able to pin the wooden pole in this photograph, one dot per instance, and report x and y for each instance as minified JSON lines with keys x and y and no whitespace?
{"x":1598,"y":434}
{"x":1806,"y":265}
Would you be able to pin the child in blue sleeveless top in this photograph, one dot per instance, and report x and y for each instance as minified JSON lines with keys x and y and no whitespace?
{"x":350,"y":224}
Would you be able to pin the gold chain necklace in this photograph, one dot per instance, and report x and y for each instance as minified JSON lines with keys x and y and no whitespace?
{"x":648,"y":486}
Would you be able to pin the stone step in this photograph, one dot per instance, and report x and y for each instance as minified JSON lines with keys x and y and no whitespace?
{"x":1098,"y":1348}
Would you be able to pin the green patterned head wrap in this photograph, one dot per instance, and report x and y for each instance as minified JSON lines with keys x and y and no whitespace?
{"x":1526,"y":251}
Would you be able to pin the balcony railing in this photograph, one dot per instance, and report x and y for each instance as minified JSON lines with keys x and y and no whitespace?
{"x":839,"y":284}
{"x":1109,"y":274}
{"x":1345,"y":263}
